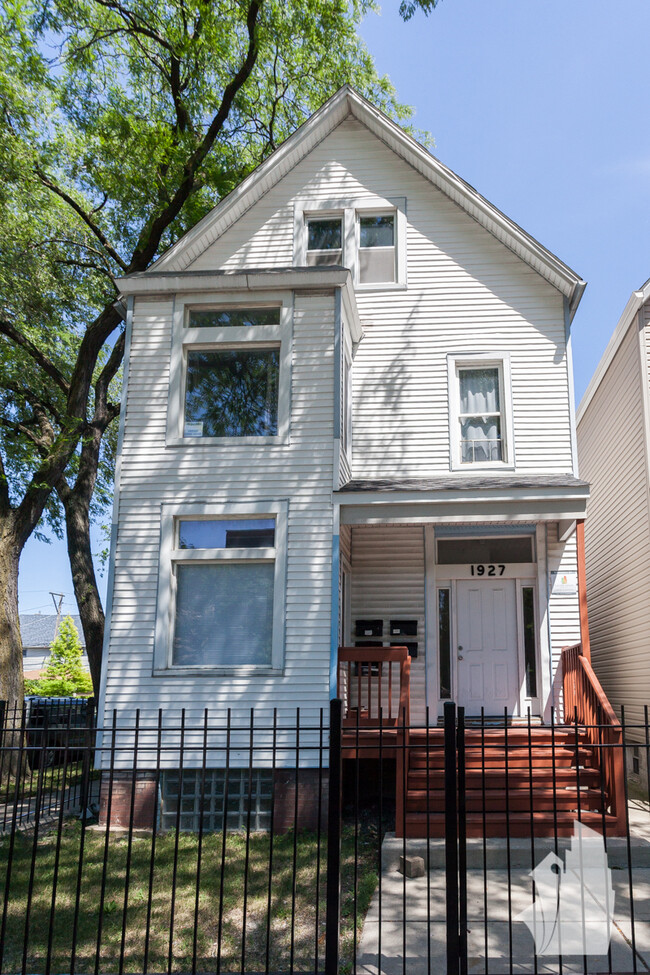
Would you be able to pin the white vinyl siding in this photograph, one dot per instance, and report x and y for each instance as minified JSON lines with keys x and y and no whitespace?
{"x":466,"y":292}
{"x":153,"y":474}
{"x":563,"y":609}
{"x":388,"y":583}
{"x":613,"y":457}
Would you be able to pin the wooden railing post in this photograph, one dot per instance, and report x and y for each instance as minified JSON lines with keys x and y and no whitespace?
{"x":585,"y":697}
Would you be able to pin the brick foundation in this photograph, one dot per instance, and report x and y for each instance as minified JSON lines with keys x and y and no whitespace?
{"x":145,"y":803}
{"x":284,"y":799}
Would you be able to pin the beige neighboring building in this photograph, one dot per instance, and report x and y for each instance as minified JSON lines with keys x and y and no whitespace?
{"x":614,"y":457}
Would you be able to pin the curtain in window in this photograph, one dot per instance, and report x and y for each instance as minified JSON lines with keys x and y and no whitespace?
{"x":479,"y":391}
{"x":480,"y":439}
{"x":224,"y":614}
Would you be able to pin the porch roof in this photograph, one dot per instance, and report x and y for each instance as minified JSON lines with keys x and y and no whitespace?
{"x":517,"y":497}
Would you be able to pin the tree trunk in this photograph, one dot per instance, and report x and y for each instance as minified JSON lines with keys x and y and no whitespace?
{"x":11,"y":653}
{"x":77,"y":523}
{"x":11,"y":646}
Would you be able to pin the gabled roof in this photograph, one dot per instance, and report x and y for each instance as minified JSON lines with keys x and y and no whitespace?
{"x":38,"y":630}
{"x":635,"y":302}
{"x":348,"y":102}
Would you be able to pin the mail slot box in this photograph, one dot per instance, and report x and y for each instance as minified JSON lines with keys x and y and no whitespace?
{"x":403,"y":627}
{"x":411,"y":647}
{"x":369,"y":628}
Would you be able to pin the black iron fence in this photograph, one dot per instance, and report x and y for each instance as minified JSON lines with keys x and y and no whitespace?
{"x":230,"y":843}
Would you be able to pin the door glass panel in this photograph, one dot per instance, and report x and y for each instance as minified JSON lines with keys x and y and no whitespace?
{"x":444,"y":642}
{"x":530,"y":656}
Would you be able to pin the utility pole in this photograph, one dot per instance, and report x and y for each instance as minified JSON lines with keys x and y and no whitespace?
{"x":57,"y":607}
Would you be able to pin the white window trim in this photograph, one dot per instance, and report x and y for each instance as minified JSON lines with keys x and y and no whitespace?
{"x":350,"y":210}
{"x":170,"y":555}
{"x":263,"y":336}
{"x":501,"y":361}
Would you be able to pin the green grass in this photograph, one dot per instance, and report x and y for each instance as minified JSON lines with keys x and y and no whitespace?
{"x":178,"y":928}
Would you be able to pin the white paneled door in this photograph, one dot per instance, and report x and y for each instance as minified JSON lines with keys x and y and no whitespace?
{"x":487,"y":656}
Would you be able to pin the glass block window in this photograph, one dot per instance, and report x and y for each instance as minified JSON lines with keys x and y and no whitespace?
{"x":202,"y":796}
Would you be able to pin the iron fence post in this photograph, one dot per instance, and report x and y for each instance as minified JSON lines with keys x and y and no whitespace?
{"x":451,"y":840}
{"x":333,"y":907}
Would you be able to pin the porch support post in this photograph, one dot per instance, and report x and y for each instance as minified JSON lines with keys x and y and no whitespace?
{"x":582,"y":589}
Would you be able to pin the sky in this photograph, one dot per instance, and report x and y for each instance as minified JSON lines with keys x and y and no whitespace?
{"x":543,"y":108}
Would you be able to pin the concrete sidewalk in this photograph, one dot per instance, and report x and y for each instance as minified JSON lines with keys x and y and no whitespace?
{"x":419,"y":932}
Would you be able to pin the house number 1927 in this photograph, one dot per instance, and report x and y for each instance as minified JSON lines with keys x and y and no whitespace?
{"x":488,"y":570}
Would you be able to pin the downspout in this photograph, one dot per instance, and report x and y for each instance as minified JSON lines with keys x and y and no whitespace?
{"x":582,"y":589}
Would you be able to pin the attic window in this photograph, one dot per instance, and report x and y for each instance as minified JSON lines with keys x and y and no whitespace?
{"x":376,"y":248}
{"x":324,"y":241}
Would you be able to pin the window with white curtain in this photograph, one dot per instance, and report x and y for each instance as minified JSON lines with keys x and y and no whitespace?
{"x":479,"y":415}
{"x":480,"y":412}
{"x":222,"y":587}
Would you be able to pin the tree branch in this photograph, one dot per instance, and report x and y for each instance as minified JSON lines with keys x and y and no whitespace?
{"x":5,"y":500}
{"x":30,"y":397}
{"x":21,"y":428}
{"x":87,"y":219}
{"x":107,"y":374}
{"x":150,"y":239}
{"x":46,"y":364}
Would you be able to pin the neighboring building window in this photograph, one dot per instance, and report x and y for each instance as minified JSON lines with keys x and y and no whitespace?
{"x":324,"y":241}
{"x":480,"y":413}
{"x":230,"y":369}
{"x":376,"y":248}
{"x":222,"y":578}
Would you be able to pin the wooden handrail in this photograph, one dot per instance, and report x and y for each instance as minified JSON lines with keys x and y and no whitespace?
{"x":586,"y":704}
{"x":373,"y":699}
{"x":374,"y":685}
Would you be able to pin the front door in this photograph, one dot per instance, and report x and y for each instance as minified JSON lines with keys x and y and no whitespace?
{"x":487,"y":654}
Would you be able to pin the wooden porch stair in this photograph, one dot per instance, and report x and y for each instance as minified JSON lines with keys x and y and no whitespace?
{"x":516,"y":784}
{"x":520,"y":780}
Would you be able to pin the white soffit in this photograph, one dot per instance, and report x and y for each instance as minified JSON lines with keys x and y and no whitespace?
{"x":635,"y":302}
{"x":348,"y":102}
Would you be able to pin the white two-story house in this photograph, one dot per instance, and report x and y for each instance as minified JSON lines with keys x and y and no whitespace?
{"x":348,"y":420}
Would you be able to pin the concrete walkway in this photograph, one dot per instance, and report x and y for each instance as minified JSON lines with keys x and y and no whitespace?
{"x":418,"y":933}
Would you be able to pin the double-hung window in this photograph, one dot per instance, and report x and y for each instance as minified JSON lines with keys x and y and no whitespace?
{"x":377,"y":254}
{"x":324,"y":241}
{"x":480,"y":412}
{"x":230,"y":372}
{"x":221,"y":591}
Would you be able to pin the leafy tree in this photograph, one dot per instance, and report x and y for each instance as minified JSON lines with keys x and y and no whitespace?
{"x":123,"y":123}
{"x":64,"y":675}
